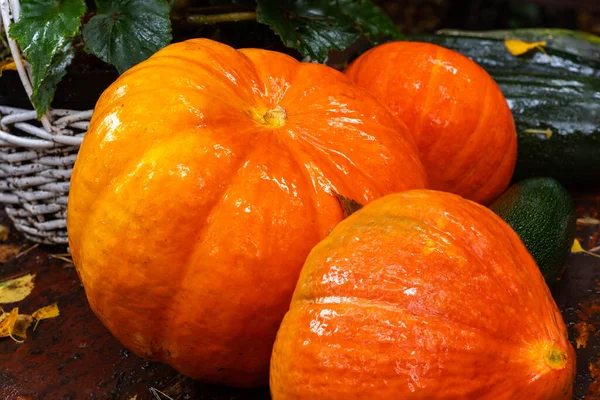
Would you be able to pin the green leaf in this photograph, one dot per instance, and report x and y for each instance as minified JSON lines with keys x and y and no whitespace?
{"x":126,"y":32}
{"x":57,"y":69}
{"x":46,"y":28}
{"x":375,"y":24}
{"x":314,"y":27}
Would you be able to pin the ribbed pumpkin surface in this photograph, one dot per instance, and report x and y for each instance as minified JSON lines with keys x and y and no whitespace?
{"x":205,"y":178}
{"x":422,"y":295}
{"x":457,"y":114}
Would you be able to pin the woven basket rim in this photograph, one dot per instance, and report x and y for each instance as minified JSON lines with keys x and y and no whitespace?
{"x":10,"y":12}
{"x":36,"y":161}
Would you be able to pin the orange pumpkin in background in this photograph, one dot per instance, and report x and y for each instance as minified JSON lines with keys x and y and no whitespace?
{"x":205,"y":178}
{"x":457,"y":114}
{"x":422,"y":295}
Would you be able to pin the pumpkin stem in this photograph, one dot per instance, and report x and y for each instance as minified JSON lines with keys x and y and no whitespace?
{"x":555,"y":358}
{"x":274,"y":118}
{"x":547,"y":356}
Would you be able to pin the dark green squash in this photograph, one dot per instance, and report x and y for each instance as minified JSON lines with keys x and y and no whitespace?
{"x":542,"y":213}
{"x":554,"y":97}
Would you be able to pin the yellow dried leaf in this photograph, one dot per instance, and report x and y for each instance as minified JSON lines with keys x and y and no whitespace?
{"x":7,"y":323}
{"x":546,"y":132}
{"x":7,"y":64}
{"x":20,"y":329}
{"x":8,"y":251}
{"x":4,"y":231}
{"x":16,"y":289}
{"x":518,"y":47}
{"x":576,"y":248}
{"x":50,"y":311}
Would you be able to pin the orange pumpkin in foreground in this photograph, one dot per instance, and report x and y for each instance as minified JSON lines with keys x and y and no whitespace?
{"x":422,"y":295}
{"x":205,"y":178}
{"x":457,"y":114}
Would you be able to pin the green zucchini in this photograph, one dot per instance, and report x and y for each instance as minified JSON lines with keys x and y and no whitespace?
{"x":554,"y":97}
{"x":565,"y":53}
{"x":542,"y":213}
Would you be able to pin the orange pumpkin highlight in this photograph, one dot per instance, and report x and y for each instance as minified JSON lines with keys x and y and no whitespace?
{"x":205,"y":178}
{"x":422,"y":295}
{"x":457,"y":114}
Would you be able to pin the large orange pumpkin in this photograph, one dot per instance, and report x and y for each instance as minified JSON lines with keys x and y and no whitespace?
{"x":457,"y":114}
{"x":422,"y":295}
{"x":205,"y":178}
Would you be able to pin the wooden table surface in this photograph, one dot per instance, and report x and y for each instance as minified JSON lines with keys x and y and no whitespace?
{"x":75,"y":357}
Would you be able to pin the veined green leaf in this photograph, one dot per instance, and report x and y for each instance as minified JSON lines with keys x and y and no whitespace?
{"x":44,"y":32}
{"x":126,"y":32}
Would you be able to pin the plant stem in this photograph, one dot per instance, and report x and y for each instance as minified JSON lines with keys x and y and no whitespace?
{"x":216,"y":18}
{"x":220,"y":9}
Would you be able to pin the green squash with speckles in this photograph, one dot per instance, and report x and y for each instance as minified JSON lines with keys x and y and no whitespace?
{"x":542,"y":213}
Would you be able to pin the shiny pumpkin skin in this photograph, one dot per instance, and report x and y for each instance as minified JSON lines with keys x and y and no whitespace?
{"x":457,"y":114}
{"x":422,"y":295}
{"x":205,"y":178}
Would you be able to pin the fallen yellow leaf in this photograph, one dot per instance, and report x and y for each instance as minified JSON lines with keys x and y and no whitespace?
{"x":576,"y":248}
{"x":583,"y":329}
{"x":7,"y":323}
{"x":50,"y":311}
{"x":15,"y":325}
{"x":7,"y":64}
{"x":518,"y":47}
{"x":4,"y":231}
{"x":16,"y":289}
{"x":546,"y":132}
{"x":20,"y":328}
{"x":8,"y":251}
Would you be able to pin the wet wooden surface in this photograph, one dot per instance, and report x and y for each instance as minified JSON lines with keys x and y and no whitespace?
{"x":74,"y":357}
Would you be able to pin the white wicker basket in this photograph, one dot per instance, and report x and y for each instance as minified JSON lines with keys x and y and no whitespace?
{"x":36,"y":157}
